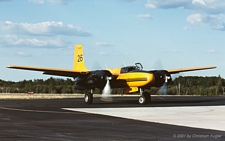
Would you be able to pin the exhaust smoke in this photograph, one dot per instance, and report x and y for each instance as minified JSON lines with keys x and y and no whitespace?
{"x":163,"y":89}
{"x":106,"y":93}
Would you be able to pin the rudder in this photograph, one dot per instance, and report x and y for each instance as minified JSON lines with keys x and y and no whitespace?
{"x":79,"y":58}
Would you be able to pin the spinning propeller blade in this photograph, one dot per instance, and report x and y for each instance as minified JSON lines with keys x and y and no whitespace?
{"x":163,"y":88}
{"x":106,"y":93}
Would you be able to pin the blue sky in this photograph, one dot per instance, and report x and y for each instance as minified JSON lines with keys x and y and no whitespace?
{"x":114,"y":33}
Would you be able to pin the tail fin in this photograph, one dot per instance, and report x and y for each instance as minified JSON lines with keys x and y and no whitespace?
{"x":79,"y":58}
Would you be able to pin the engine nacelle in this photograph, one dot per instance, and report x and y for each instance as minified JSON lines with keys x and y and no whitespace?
{"x":94,"y":79}
{"x":161,"y":76}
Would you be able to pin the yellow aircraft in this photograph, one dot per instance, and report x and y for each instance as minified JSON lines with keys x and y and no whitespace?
{"x":130,"y":78}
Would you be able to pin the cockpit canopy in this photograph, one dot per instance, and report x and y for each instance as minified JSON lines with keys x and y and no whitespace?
{"x":137,"y":66}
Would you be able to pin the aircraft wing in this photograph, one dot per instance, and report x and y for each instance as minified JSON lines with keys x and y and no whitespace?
{"x":52,"y":71}
{"x":173,"y":71}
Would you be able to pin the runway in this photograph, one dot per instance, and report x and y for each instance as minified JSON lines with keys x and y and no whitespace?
{"x":165,"y":119}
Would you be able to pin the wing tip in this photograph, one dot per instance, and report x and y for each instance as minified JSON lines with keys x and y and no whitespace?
{"x":8,"y":66}
{"x":11,"y":66}
{"x":210,"y":67}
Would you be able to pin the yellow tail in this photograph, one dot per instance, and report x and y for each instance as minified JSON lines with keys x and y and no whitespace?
{"x":79,"y":58}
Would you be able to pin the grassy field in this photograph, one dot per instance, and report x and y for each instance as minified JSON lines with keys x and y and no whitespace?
{"x":61,"y":96}
{"x":48,"y":96}
{"x":39,"y":96}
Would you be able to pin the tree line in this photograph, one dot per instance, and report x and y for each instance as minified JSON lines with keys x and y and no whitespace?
{"x":51,"y":85}
{"x":196,"y":85}
{"x":188,"y":85}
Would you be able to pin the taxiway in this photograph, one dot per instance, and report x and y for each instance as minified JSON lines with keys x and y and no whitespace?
{"x":166,"y":118}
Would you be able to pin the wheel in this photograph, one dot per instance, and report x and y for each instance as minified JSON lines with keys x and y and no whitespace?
{"x":88,"y":98}
{"x":142,"y":100}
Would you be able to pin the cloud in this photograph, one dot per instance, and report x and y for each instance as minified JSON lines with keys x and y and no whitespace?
{"x":195,"y":18}
{"x":162,"y":4}
{"x":59,"y":1}
{"x":200,"y":2}
{"x":38,"y":2}
{"x":127,"y":0}
{"x":214,"y":7}
{"x":188,"y":28}
{"x":42,"y":2}
{"x":44,"y":29}
{"x":212,"y":51}
{"x":206,"y":12}
{"x":205,"y":6}
{"x":143,"y":16}
{"x":102,"y":44}
{"x":23,"y":54}
{"x":4,"y":0}
{"x":211,"y":20}
{"x":14,"y":41}
{"x":103,"y":53}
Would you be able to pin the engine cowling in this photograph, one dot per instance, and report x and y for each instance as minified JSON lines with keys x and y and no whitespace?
{"x":161,"y":76}
{"x":94,"y":79}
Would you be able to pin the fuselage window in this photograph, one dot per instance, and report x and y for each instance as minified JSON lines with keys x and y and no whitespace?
{"x":130,"y":69}
{"x":123,"y":70}
{"x":127,"y":69}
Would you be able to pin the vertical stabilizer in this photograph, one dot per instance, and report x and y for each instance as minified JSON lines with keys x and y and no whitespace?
{"x":79,"y":58}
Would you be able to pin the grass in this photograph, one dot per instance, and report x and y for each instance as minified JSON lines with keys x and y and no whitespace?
{"x":39,"y":96}
{"x":5,"y":96}
{"x":22,"y":96}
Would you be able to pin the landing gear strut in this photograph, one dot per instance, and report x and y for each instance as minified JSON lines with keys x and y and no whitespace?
{"x":145,"y":98}
{"x":88,"y":97}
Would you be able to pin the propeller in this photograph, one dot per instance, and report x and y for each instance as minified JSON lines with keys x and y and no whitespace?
{"x":106,"y":93}
{"x":166,"y":76}
{"x":163,"y":88}
{"x":158,"y":65}
{"x":96,"y":66}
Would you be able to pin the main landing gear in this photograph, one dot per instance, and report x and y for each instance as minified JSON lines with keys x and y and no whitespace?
{"x":144,"y":98}
{"x":88,"y":97}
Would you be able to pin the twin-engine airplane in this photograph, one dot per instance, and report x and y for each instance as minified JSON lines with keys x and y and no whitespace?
{"x":130,"y":78}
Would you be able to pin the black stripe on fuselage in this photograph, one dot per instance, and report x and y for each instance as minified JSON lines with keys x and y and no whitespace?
{"x":136,"y":79}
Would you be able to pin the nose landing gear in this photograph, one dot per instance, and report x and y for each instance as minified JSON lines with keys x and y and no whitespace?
{"x":144,"y":98}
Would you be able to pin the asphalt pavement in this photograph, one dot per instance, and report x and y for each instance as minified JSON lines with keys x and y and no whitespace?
{"x":49,"y":120}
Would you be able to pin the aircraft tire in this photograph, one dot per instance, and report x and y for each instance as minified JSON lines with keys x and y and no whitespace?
{"x":142,"y":100}
{"x":88,"y":98}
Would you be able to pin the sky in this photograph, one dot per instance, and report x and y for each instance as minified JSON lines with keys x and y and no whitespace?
{"x":159,"y":34}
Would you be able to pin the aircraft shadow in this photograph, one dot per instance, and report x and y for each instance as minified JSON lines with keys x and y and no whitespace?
{"x":120,"y":102}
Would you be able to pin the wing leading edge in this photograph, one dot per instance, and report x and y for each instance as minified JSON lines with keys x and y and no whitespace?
{"x":52,"y":71}
{"x":173,"y":71}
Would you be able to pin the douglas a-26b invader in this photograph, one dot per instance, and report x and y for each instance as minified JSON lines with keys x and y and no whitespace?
{"x":130,"y":78}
